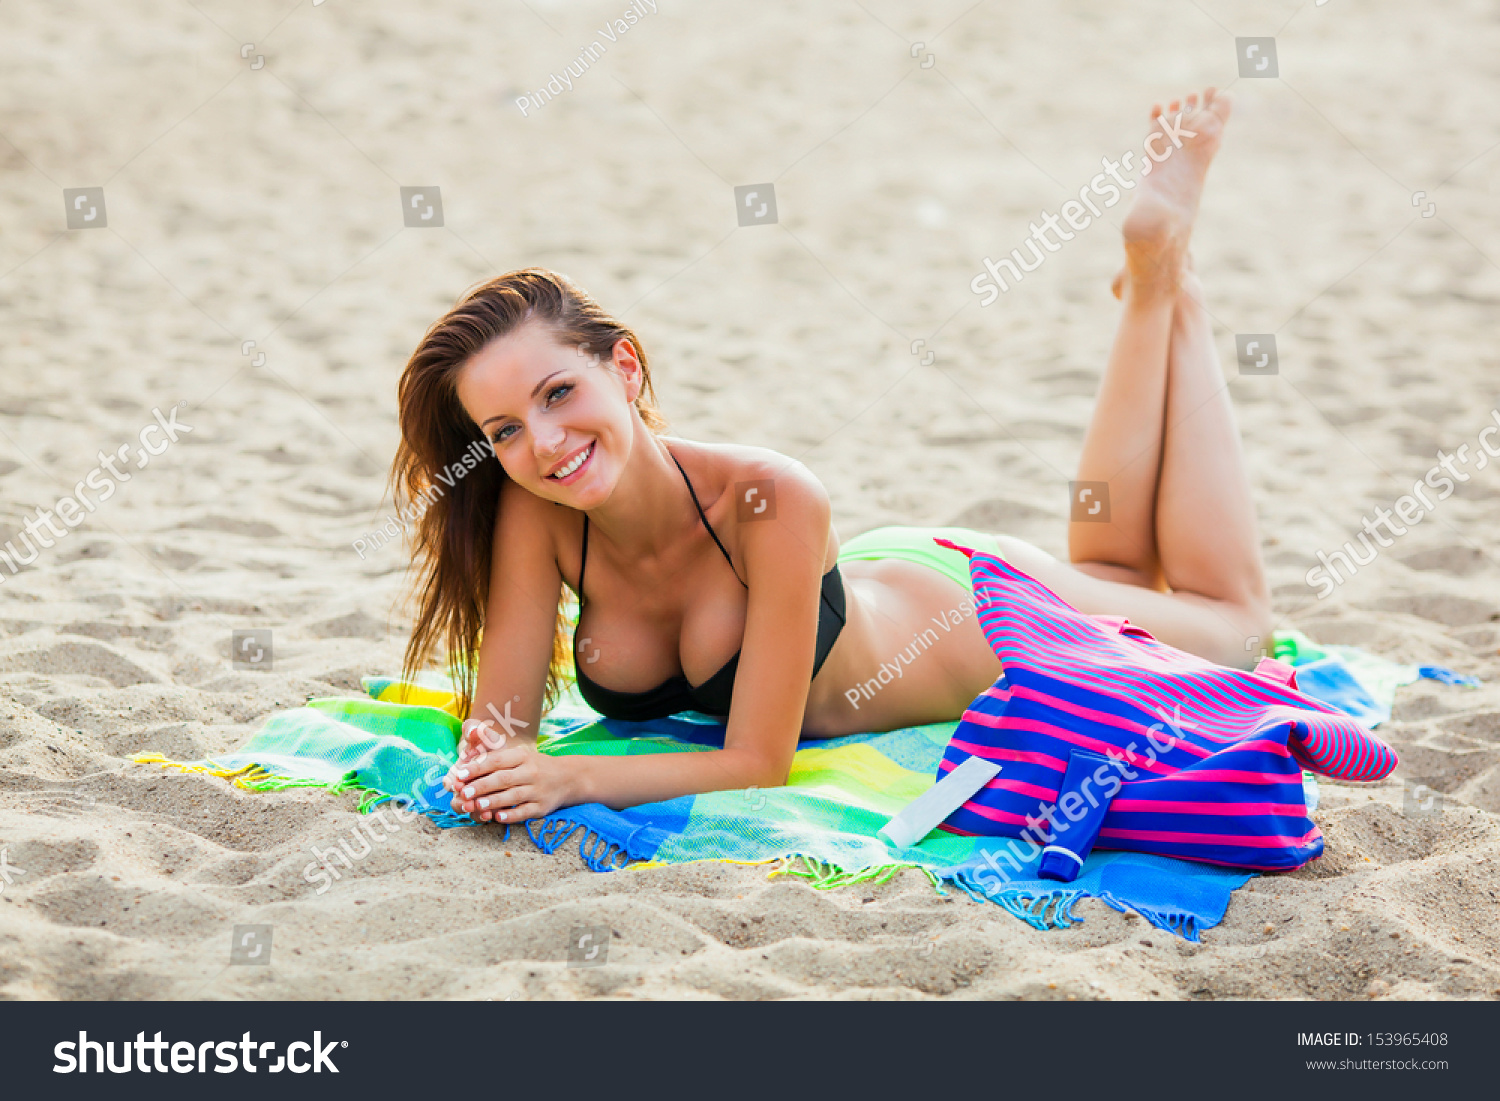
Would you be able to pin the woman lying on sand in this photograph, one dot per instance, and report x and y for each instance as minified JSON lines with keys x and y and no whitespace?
{"x":709,"y":576}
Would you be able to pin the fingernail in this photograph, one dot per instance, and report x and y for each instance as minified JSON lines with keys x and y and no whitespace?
{"x":501,"y":816}
{"x":463,"y":774}
{"x":484,"y":802}
{"x":469,"y":792}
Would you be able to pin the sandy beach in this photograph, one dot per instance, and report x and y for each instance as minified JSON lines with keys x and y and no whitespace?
{"x":228,"y":325}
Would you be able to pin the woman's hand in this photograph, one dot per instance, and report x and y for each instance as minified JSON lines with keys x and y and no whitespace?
{"x":512,"y":784}
{"x":478,"y":736}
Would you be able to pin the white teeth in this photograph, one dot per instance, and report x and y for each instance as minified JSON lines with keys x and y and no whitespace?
{"x":575,"y":464}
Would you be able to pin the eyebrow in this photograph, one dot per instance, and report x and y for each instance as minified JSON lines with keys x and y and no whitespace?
{"x":535,"y":390}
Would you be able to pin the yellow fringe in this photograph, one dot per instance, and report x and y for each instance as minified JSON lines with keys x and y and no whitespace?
{"x":240,"y":777}
{"x":705,"y":860}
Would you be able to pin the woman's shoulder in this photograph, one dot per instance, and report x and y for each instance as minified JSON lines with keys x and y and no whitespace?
{"x":728,"y":464}
{"x":526,"y":516}
{"x":749,"y":484}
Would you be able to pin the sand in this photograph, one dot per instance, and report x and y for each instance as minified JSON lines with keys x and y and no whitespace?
{"x":261,"y":204}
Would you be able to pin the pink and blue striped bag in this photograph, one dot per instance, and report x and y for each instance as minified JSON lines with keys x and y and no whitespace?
{"x":1204,"y":762}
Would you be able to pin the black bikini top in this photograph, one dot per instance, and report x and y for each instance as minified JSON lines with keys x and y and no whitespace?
{"x":712,"y":697}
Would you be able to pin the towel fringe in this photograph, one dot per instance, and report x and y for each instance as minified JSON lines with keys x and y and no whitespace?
{"x":1041,"y":910}
{"x":825,"y":876}
{"x":600,"y":853}
{"x":641,"y":864}
{"x":1180,"y":922}
{"x":442,"y":819}
{"x":252,"y":777}
{"x":1054,"y":909}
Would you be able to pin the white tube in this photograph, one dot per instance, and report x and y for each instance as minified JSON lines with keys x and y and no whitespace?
{"x":923,"y":814}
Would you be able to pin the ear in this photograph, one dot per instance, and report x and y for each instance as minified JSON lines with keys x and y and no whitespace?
{"x":629,"y":365}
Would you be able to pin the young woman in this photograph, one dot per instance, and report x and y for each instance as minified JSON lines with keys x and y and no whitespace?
{"x":709,"y":576}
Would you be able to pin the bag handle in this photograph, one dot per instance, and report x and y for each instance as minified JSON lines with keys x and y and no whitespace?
{"x":1276,"y":671}
{"x":1120,"y":625}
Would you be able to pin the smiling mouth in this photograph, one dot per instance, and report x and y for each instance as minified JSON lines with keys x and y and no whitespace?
{"x":568,"y":470}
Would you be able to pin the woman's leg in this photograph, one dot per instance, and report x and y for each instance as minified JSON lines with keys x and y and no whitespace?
{"x":1123,"y":446}
{"x":1205,"y":516}
{"x":1164,"y":441}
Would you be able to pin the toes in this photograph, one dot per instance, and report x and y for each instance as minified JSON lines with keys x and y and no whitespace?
{"x":1156,"y":110}
{"x":1208,"y":95}
{"x":1192,"y":101}
{"x":1176,"y":106}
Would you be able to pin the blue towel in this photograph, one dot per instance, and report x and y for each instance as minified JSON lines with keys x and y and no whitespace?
{"x":1179,"y":896}
{"x":1361,"y":684}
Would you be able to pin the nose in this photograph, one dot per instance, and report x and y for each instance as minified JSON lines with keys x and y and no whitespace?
{"x":548,"y":438}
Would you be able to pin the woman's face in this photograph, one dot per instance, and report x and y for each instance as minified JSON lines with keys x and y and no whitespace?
{"x":561,"y":425}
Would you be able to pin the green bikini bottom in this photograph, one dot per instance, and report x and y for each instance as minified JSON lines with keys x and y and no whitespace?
{"x":916,"y":545}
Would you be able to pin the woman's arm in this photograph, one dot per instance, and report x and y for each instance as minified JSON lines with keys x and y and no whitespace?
{"x":520,"y":619}
{"x":783,"y":560}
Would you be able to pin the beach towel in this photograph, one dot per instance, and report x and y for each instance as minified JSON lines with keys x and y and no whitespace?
{"x":397,"y":745}
{"x":1185,"y":757}
{"x":1361,"y":684}
{"x":821,"y":826}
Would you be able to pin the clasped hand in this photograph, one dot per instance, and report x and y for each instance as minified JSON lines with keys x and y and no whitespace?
{"x":505,"y":783}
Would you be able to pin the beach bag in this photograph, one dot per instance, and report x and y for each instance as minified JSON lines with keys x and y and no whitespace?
{"x":1098,"y":727}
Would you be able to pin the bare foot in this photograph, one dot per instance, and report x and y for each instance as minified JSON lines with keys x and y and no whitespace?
{"x":1160,"y":221}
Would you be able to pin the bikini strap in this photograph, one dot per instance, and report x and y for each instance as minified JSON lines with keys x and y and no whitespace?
{"x":704,"y":518}
{"x":583,"y":558}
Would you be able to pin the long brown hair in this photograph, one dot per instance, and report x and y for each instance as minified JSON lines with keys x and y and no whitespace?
{"x":451,"y":540}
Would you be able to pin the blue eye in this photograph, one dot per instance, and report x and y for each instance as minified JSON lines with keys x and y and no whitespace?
{"x":554,"y":394}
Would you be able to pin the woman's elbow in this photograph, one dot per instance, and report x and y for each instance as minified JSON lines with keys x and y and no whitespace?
{"x":764,"y":772}
{"x":777,"y":777}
